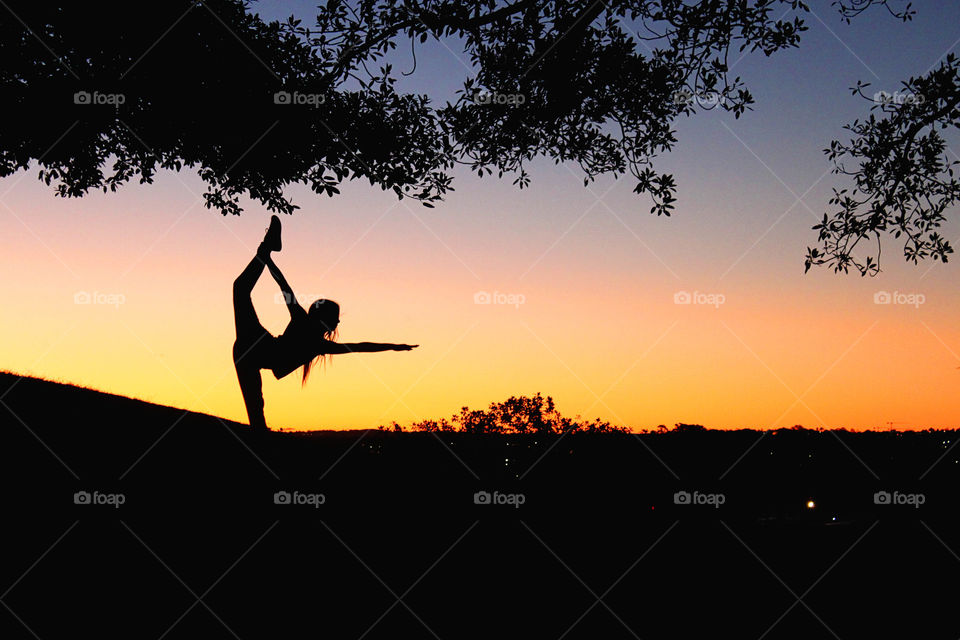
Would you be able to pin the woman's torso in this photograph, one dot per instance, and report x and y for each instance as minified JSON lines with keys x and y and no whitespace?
{"x":291,"y":349}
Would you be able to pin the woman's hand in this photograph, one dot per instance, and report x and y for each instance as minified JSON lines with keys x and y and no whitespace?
{"x":404,"y":347}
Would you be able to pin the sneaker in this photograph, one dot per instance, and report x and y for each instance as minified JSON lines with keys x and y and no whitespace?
{"x":272,"y":239}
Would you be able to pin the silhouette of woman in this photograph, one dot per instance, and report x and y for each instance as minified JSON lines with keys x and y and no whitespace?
{"x":307,"y":338}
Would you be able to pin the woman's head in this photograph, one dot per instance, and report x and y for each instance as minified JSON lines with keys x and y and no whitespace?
{"x":323,"y":316}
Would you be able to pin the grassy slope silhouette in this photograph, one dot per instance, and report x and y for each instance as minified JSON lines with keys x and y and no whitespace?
{"x":199,"y":513}
{"x":78,"y":433}
{"x":40,"y":399}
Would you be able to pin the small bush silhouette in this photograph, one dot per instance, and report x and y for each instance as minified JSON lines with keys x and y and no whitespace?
{"x":681,"y":427}
{"x":523,"y":414}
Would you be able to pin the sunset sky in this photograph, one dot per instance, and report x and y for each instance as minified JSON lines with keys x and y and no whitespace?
{"x":598,"y":328}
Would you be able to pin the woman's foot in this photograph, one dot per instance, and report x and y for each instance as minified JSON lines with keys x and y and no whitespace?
{"x":271,"y":241}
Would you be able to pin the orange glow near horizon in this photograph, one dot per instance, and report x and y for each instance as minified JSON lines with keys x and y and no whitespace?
{"x":598,"y":328}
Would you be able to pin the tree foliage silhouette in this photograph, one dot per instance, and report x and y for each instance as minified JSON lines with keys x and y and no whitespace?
{"x":596,"y":83}
{"x":198,"y":84}
{"x":903,"y":179}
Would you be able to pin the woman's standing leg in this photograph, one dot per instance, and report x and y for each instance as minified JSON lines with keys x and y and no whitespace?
{"x":248,"y":375}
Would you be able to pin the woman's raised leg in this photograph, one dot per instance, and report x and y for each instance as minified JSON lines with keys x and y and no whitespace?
{"x":245,"y":317}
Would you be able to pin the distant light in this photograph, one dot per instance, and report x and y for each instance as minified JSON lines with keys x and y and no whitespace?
{"x":810,"y":504}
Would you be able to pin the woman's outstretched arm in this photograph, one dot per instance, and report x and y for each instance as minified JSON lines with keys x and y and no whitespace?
{"x":285,"y":287}
{"x":365,"y":347}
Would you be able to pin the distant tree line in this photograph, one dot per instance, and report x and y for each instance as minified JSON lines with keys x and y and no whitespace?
{"x":538,"y":415}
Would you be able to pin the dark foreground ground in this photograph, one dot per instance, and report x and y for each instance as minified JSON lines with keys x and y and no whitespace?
{"x":131,"y":520}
